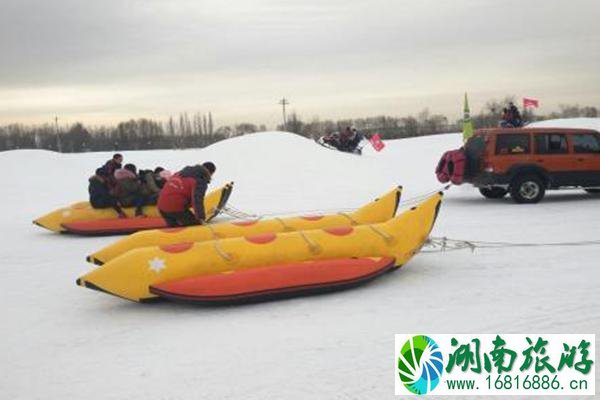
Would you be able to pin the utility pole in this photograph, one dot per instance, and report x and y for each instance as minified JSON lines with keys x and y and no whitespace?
{"x":58,"y":142}
{"x":284,"y":103}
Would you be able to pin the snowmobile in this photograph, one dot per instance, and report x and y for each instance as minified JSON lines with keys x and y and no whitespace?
{"x":333,"y":141}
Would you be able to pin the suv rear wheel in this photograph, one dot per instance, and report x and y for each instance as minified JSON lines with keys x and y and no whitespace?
{"x":493,"y":192}
{"x":527,"y":189}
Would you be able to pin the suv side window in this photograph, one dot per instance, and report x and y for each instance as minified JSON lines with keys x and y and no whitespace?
{"x":551,"y":143}
{"x":512,"y":144}
{"x":586,"y":143}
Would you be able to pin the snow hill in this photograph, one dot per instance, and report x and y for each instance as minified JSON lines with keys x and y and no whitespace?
{"x":60,"y":341}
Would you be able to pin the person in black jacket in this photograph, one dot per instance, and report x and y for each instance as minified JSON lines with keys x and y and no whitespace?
{"x":100,"y":196}
{"x":515,"y":116}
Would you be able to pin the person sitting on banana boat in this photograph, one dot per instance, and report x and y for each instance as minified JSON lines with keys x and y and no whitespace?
{"x":128,"y":190}
{"x":152,"y":183}
{"x":100,"y":195}
{"x":112,"y":165}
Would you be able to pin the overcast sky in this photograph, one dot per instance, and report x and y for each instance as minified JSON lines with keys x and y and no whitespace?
{"x":104,"y":61}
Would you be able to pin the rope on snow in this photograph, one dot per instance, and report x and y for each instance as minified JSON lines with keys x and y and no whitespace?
{"x":442,"y":244}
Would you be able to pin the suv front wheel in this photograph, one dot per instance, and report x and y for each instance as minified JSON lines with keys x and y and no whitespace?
{"x":527,"y":189}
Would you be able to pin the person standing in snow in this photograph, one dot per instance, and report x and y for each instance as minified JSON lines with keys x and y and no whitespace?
{"x":184,"y":189}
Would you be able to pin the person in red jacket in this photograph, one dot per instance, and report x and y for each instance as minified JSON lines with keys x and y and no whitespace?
{"x":183,"y":190}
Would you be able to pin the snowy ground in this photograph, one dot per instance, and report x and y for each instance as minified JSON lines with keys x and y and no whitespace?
{"x":60,"y":341}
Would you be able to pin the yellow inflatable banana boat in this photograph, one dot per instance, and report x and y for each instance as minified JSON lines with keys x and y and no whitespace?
{"x":379,"y":210}
{"x":82,"y":218}
{"x":264,"y":265}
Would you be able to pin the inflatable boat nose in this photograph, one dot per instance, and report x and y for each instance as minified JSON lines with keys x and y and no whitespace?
{"x":83,"y":283}
{"x":93,"y":260}
{"x":37,"y":222}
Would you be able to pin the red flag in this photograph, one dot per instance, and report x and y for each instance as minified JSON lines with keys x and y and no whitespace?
{"x":376,"y":142}
{"x":529,"y":102}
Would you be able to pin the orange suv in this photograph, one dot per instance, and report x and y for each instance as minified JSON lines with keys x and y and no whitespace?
{"x":527,"y":162}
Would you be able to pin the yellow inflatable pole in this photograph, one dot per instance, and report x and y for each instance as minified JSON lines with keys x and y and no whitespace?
{"x":467,"y":121}
{"x":130,"y":275}
{"x":83,"y":211}
{"x":380,"y":210}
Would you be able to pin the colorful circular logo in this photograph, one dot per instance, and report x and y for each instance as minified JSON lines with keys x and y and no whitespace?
{"x":420,"y":364}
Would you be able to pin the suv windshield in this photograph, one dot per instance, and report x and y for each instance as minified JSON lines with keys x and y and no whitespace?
{"x":512,"y":144}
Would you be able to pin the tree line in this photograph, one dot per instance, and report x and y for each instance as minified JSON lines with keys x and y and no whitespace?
{"x":182,"y":132}
{"x":199,"y":130}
